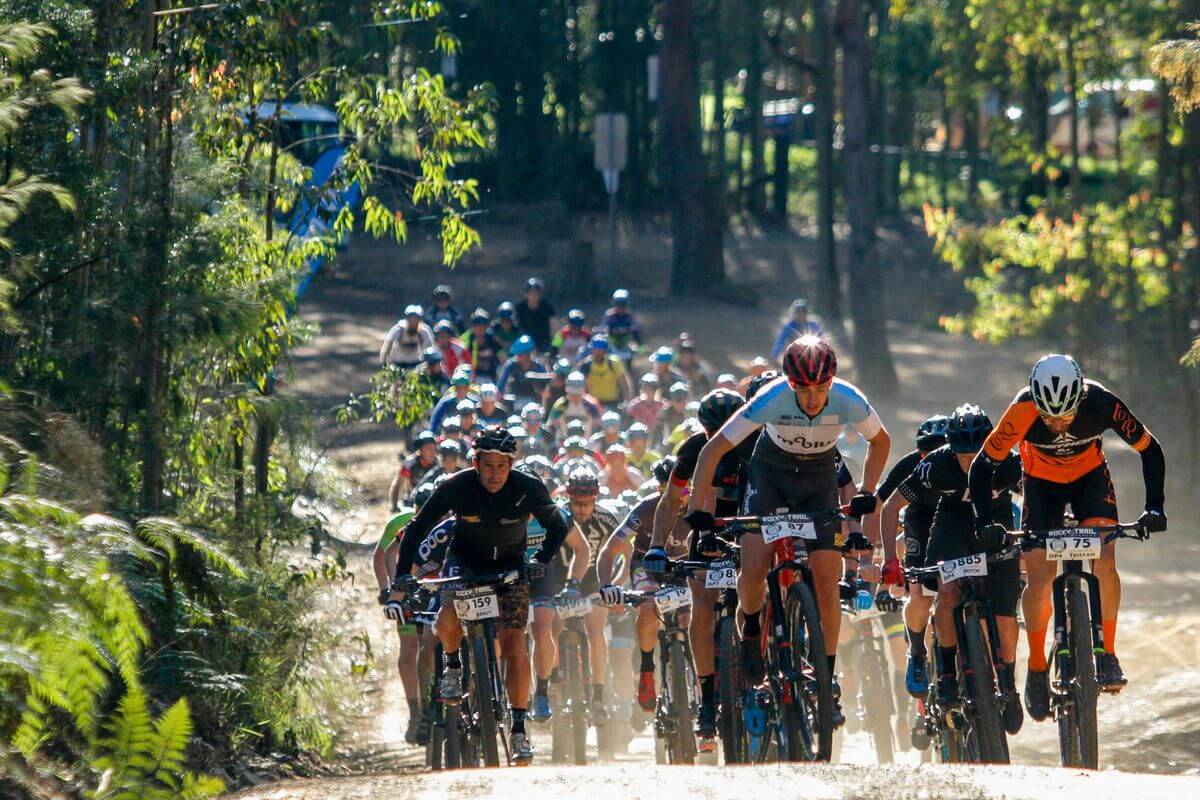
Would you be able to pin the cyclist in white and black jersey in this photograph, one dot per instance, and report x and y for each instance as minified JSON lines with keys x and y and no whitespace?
{"x":406,"y":341}
{"x":794,"y":467}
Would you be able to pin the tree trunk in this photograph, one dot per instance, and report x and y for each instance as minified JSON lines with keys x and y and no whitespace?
{"x":872,"y":358}
{"x":944,"y":156}
{"x":971,"y":145}
{"x":828,"y":285}
{"x":718,"y":149}
{"x":779,"y":189}
{"x":757,"y":193}
{"x":1073,"y":97}
{"x":697,"y":257}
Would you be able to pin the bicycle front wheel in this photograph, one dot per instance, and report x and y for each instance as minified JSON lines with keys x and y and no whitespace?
{"x":484,"y":700}
{"x":681,"y":707}
{"x":571,"y":665}
{"x":1078,"y":731}
{"x":813,"y":738}
{"x":989,"y":727}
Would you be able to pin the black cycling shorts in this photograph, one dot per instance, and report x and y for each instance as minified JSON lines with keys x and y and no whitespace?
{"x":1003,"y":582}
{"x":543,"y":591}
{"x":1090,"y":496}
{"x":773,"y":487}
{"x":916,"y":535}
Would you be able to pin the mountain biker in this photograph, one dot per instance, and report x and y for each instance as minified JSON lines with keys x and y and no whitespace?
{"x":492,"y":504}
{"x":443,"y":311}
{"x":641,"y":456}
{"x":406,"y":662}
{"x":571,"y":338}
{"x":629,"y":542}
{"x":618,"y":476}
{"x":920,"y":504}
{"x":622,"y":328}
{"x":482,"y":347}
{"x":540,"y":439}
{"x":604,"y":373}
{"x":432,"y":372}
{"x":490,"y":410}
{"x":596,"y":524}
{"x":724,"y":480}
{"x":535,"y":315}
{"x":543,"y":595}
{"x":406,"y":341}
{"x":516,"y":375}
{"x":952,"y":534}
{"x":504,"y":328}
{"x":460,"y":389}
{"x":798,"y":324}
{"x":413,"y":468}
{"x":609,"y":433}
{"x":575,"y":404}
{"x":793,"y":466}
{"x":1058,"y":422}
{"x":697,"y":374}
{"x":662,"y":362}
{"x":645,"y":407}
{"x":671,"y":415}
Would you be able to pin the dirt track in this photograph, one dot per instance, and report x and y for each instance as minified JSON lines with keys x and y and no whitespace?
{"x":1153,"y":727}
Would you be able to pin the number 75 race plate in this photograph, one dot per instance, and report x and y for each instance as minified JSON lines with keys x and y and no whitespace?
{"x":1073,"y":545}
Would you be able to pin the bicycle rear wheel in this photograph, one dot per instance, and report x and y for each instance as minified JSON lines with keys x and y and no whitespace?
{"x":815,"y":726}
{"x":1078,"y":732}
{"x":989,"y":727}
{"x":729,"y":692}
{"x":484,"y":700}
{"x":681,"y":707}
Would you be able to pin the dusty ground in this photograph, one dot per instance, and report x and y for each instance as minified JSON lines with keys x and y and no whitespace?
{"x":1154,"y":726}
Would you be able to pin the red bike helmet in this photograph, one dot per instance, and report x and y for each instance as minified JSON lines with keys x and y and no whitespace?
{"x":809,"y":361}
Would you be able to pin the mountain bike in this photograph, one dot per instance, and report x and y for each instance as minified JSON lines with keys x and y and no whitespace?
{"x":721,"y":573}
{"x":571,"y":722}
{"x":792,"y":711}
{"x":978,"y":652}
{"x":482,"y":707}
{"x":1078,"y":635}
{"x":674,"y":739}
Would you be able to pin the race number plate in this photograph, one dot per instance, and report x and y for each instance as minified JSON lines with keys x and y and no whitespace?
{"x":578,"y":607}
{"x":1072,"y":545}
{"x":966,"y":567}
{"x":672,"y":598}
{"x":473,"y":605}
{"x":721,"y":575}
{"x":788,"y":526}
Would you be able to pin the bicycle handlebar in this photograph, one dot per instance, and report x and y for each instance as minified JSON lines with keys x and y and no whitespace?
{"x":506,"y":577}
{"x":917,"y":573}
{"x":1108,"y":533}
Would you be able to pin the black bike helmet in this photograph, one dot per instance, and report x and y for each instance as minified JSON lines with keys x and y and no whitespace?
{"x":495,"y":439}
{"x":759,"y":381}
{"x":582,"y":483}
{"x":718,"y":406}
{"x":663,"y":468}
{"x":931,"y":434}
{"x":424,"y":438}
{"x":968,"y":428}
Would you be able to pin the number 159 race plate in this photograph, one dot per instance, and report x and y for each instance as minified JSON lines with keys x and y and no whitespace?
{"x":473,"y":605}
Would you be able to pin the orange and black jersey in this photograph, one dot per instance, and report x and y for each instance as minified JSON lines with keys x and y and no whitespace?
{"x":1067,"y":456}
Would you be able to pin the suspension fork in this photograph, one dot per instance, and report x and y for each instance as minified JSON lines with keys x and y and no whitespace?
{"x":779,"y":630}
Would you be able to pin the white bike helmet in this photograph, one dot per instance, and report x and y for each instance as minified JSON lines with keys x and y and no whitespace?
{"x":1056,"y":383}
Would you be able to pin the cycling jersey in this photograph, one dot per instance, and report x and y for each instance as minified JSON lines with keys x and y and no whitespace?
{"x":595,"y":529}
{"x":603,"y":378}
{"x":952,"y":534}
{"x":644,"y":411}
{"x":446,"y":407}
{"x":503,"y":336}
{"x":484,"y":352}
{"x":570,"y":342}
{"x":790,"y":430}
{"x":556,"y":571}
{"x":918,"y":515}
{"x":403,"y":348}
{"x":645,"y":462}
{"x":490,"y":529}
{"x":415,"y":471}
{"x":434,"y":315}
{"x":638,"y":528}
{"x":432,"y":551}
{"x":514,"y":379}
{"x":1064,"y":457}
{"x":585,"y":408}
{"x":1072,"y":457}
{"x":728,"y":478}
{"x":669,"y":418}
{"x":622,"y":329}
{"x":536,"y":323}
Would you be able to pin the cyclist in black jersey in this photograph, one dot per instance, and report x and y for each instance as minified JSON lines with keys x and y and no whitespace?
{"x":596,"y":524}
{"x":953,"y":535}
{"x":918,"y":507}
{"x":715,"y":408}
{"x":492,"y":504}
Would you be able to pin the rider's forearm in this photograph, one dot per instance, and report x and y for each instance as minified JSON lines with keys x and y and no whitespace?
{"x":703,"y":497}
{"x":664,"y":513}
{"x":889,"y":522}
{"x":379,"y":565}
{"x":979,"y":484}
{"x":878,"y":448}
{"x":1154,"y":474}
